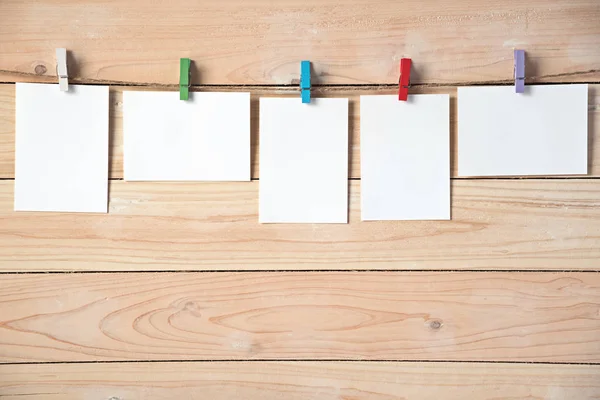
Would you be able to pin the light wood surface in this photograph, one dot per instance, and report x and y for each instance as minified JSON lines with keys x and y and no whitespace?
{"x":7,"y":127}
{"x":300,"y":381}
{"x":549,"y":317}
{"x":7,"y":131}
{"x":262,"y":42}
{"x":522,"y":227}
{"x":496,"y":224}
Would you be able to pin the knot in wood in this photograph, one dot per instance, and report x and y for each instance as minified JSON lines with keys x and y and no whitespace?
{"x":193,"y":308}
{"x":40,"y":69}
{"x":435,"y":324}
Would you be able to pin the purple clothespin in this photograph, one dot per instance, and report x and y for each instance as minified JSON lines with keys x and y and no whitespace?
{"x":519,"y":71}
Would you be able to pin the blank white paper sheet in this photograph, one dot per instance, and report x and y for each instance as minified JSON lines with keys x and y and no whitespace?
{"x":405,"y":157}
{"x":540,"y":132}
{"x":206,"y":138}
{"x":61,"y":148}
{"x":303,"y":161}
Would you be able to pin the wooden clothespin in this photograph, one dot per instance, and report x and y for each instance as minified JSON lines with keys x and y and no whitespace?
{"x":404,"y":79}
{"x":519,"y":71}
{"x":61,"y":69}
{"x":185,"y":78}
{"x":305,"y":81}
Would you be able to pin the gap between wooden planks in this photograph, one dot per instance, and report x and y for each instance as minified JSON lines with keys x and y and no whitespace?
{"x":299,"y":381}
{"x":262,"y":42}
{"x":7,"y":125}
{"x":533,"y":317}
{"x":496,"y":224}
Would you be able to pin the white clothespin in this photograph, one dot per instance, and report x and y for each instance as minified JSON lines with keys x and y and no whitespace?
{"x":61,"y":69}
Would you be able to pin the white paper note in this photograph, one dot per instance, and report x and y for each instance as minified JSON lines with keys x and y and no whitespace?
{"x":405,"y":157}
{"x":206,"y":138}
{"x":540,"y":132}
{"x":303,"y":160}
{"x":61,"y":148}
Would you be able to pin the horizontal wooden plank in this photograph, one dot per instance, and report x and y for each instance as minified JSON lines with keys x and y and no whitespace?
{"x":496,"y":224}
{"x":262,"y":42}
{"x":471,"y":316}
{"x":7,"y":132}
{"x":7,"y":127}
{"x":299,"y":381}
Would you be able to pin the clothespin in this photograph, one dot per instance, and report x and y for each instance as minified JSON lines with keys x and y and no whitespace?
{"x":404,"y":79}
{"x":519,"y":71}
{"x":185,"y":78}
{"x":305,"y":81}
{"x":61,"y":69}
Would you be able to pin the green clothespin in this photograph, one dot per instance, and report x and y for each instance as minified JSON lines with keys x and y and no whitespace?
{"x":185,"y":78}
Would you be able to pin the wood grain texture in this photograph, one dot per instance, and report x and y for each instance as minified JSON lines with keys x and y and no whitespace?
{"x":300,"y":381}
{"x":414,"y":316}
{"x":7,"y":127}
{"x":262,"y":42}
{"x":496,"y":224}
{"x":7,"y":131}
{"x":550,"y":317}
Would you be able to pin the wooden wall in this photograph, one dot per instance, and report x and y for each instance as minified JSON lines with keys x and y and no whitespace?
{"x":179,"y":293}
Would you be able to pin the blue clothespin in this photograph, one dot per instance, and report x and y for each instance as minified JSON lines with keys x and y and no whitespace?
{"x":305,"y":81}
{"x":519,"y":71}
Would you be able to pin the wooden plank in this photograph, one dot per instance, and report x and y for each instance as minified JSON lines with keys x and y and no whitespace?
{"x":496,"y":224}
{"x":262,"y":42}
{"x":7,"y":131}
{"x":470,"y":316}
{"x":299,"y":381}
{"x":7,"y":128}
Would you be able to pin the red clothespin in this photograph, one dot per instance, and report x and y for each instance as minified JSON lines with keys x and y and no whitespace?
{"x":404,"y":79}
